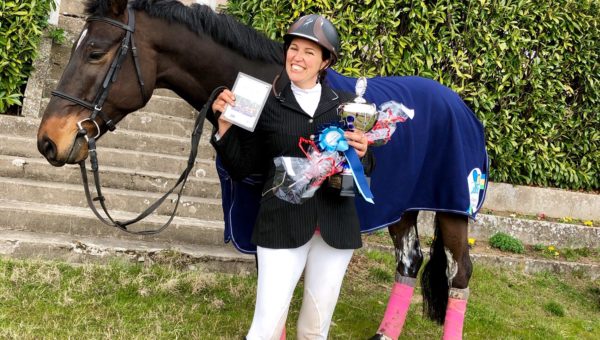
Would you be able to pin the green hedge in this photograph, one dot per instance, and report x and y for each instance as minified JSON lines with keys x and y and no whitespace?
{"x":529,"y":69}
{"x":21,"y":25}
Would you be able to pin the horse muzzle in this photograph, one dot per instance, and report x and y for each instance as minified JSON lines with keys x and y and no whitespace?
{"x":71,"y":155}
{"x":61,"y":141}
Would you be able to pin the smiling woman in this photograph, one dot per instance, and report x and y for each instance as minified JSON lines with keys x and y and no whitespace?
{"x":317,"y":237}
{"x":304,"y":61}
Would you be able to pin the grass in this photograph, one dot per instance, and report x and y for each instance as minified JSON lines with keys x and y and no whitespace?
{"x":53,"y":300}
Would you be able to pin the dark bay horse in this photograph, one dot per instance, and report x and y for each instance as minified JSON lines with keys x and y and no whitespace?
{"x":192,"y":50}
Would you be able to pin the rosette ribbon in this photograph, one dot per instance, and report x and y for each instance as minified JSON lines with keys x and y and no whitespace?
{"x":331,"y":138}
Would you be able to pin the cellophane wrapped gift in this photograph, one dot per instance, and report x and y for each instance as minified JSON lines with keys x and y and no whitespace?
{"x":390,"y":113}
{"x":297,"y":178}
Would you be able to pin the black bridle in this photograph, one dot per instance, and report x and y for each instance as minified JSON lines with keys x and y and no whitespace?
{"x":127,"y":44}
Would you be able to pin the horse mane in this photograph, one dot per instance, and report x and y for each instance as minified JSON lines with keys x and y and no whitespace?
{"x":223,"y":28}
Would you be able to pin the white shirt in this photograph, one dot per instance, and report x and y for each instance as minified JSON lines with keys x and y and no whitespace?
{"x":308,"y":98}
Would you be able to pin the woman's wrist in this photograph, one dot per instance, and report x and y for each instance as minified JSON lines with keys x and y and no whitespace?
{"x":223,"y":127}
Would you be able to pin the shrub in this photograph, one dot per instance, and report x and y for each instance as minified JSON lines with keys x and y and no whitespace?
{"x":506,"y":242}
{"x":57,"y":35}
{"x":529,"y":70}
{"x":21,"y":25}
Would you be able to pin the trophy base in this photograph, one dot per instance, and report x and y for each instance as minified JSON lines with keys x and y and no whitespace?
{"x":343,"y":184}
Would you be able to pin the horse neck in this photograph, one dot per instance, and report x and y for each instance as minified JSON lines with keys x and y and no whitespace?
{"x":193,"y":65}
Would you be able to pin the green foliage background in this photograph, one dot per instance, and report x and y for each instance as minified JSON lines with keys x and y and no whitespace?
{"x":21,"y":25}
{"x":529,"y":69}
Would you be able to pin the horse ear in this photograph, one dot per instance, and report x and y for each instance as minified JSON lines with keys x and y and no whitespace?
{"x":118,"y":6}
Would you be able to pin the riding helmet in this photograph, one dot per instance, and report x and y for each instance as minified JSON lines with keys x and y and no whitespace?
{"x":316,"y":28}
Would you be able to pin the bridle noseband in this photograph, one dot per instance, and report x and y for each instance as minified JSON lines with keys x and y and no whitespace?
{"x":127,"y":43}
{"x":96,"y":108}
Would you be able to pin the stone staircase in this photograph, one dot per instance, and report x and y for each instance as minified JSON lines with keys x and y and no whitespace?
{"x":43,"y":212}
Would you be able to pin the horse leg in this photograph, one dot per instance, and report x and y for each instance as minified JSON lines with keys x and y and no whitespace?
{"x":409,"y":259}
{"x":446,"y":276}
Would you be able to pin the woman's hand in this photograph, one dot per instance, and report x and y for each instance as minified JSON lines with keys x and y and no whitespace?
{"x":226,"y":97}
{"x":358,"y":141}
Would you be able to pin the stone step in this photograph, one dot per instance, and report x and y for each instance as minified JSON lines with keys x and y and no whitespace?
{"x":166,"y":105}
{"x":530,"y":232}
{"x":71,"y":24}
{"x":534,"y":232}
{"x":111,"y":177}
{"x":119,"y":139}
{"x":165,"y":93}
{"x":155,"y":143}
{"x":552,"y":202}
{"x":79,"y":221}
{"x":78,"y":249}
{"x":151,"y":122}
{"x":22,"y":147}
{"x":72,"y":7}
{"x":134,"y":201}
{"x":516,"y":262}
{"x":59,"y":57}
{"x":19,"y":126}
{"x":140,"y":121}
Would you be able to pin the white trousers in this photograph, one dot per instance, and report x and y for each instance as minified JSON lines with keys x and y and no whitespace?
{"x":278,"y":273}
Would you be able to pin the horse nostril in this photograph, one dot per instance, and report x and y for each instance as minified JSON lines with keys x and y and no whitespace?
{"x":47,"y":148}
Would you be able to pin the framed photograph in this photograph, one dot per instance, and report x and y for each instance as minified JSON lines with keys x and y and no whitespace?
{"x":250,"y":97}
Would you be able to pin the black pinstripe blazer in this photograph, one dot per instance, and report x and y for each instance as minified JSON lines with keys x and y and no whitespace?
{"x":281,"y":224}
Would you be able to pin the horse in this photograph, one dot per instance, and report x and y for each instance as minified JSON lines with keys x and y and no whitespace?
{"x":126,"y":50}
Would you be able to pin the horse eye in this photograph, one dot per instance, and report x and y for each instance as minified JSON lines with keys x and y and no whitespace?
{"x":96,"y":55}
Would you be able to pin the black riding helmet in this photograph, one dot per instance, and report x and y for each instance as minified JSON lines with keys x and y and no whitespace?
{"x":316,"y":28}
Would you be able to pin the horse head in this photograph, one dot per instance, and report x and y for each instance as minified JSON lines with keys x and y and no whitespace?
{"x":104,"y":80}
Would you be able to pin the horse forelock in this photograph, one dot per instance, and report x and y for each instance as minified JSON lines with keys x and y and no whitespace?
{"x":223,"y":29}
{"x":97,"y":7}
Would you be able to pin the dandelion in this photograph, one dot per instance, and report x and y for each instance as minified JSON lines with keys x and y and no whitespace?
{"x":551,"y":248}
{"x":471,"y":241}
{"x":556,"y":253}
{"x":567,"y":219}
{"x":588,"y":223}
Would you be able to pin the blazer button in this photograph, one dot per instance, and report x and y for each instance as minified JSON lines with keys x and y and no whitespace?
{"x":310,"y":121}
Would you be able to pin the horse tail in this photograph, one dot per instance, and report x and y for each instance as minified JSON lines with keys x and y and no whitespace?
{"x":434,"y":283}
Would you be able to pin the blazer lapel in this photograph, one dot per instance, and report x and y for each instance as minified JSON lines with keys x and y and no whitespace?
{"x":289,"y":100}
{"x":329,"y":100}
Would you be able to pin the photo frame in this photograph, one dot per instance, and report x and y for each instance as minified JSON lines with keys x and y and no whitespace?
{"x":250,"y":97}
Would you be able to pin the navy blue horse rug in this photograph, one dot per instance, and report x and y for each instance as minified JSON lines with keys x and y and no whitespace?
{"x":435,"y":161}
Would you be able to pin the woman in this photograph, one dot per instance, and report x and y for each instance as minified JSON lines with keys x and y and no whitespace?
{"x":320,"y":235}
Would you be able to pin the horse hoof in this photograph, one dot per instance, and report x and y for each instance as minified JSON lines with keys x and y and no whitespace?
{"x":379,"y":337}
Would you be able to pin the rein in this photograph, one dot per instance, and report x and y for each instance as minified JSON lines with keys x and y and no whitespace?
{"x":197,"y":133}
{"x":96,"y":108}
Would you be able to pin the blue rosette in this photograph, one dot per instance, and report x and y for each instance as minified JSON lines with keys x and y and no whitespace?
{"x":331,"y":138}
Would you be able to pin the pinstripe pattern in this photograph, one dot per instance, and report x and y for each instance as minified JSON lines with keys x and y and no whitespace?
{"x":281,"y":224}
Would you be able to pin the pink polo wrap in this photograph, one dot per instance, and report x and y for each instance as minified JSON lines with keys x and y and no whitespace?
{"x":455,"y":318}
{"x":397,"y":308}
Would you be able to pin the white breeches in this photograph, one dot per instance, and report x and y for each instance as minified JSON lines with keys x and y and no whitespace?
{"x":278,"y":273}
